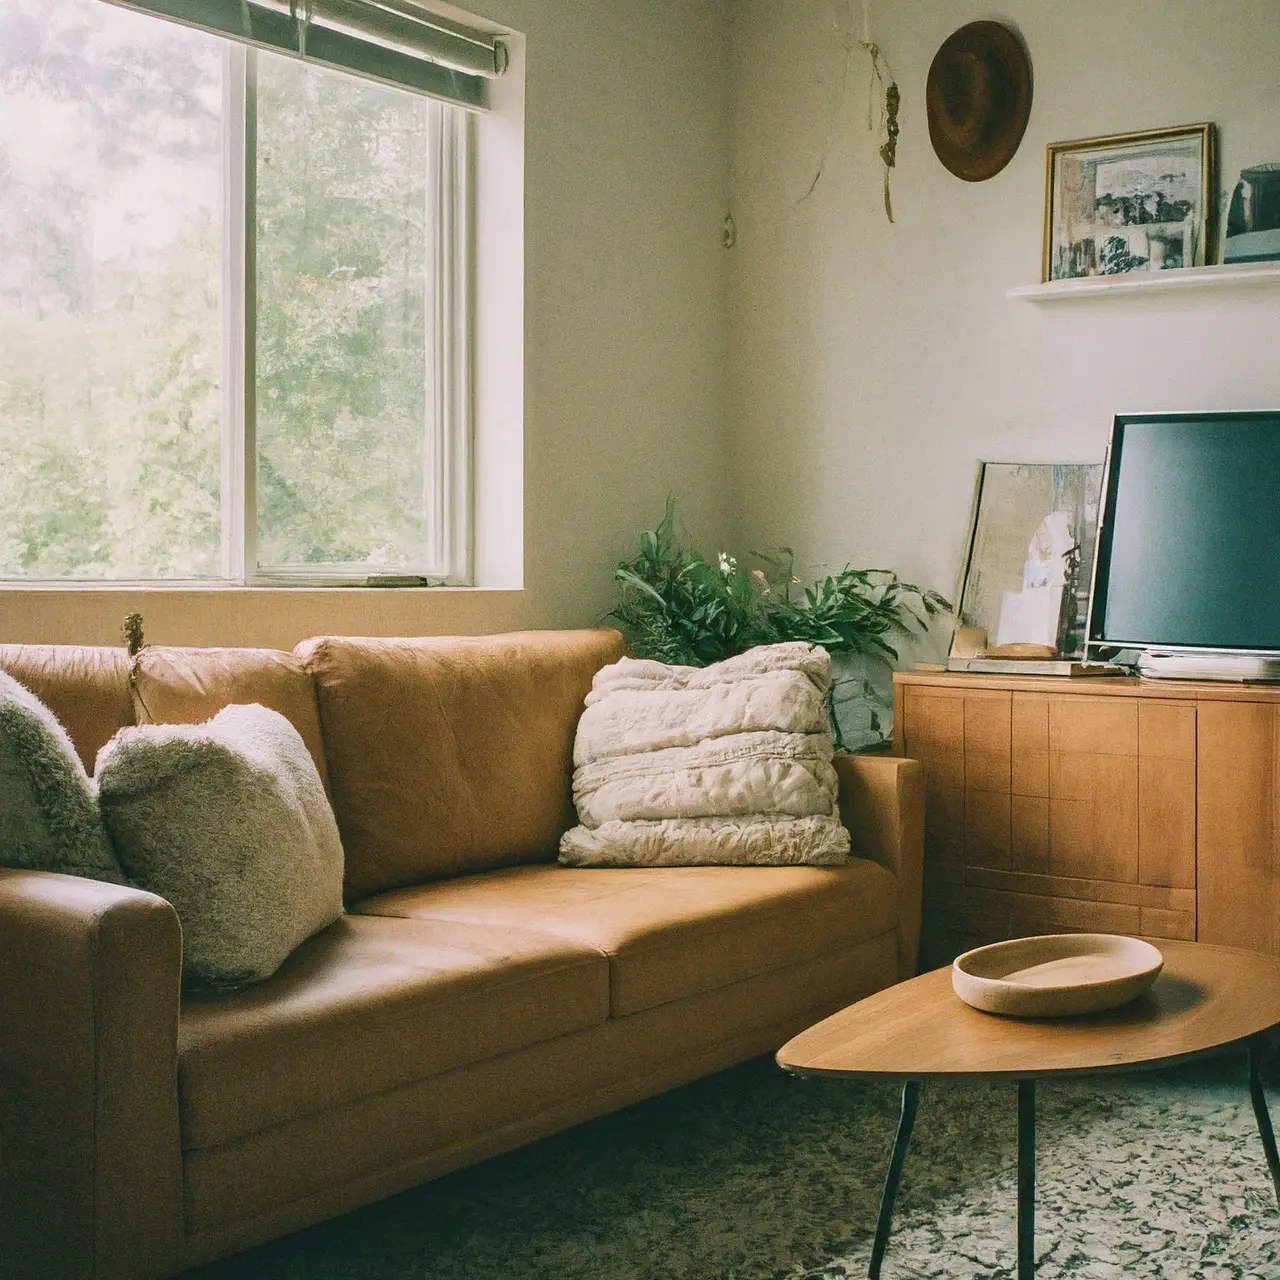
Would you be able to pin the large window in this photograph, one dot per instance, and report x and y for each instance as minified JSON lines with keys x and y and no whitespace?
{"x":234,"y":327}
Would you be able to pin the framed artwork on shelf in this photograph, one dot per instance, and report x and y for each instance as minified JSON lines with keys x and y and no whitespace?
{"x":1129,"y":202}
{"x":1029,"y":557}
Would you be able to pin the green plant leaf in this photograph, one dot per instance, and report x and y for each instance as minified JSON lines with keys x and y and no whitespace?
{"x":676,"y":606}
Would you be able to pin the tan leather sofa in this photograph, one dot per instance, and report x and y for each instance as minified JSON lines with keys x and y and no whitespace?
{"x":477,"y":996}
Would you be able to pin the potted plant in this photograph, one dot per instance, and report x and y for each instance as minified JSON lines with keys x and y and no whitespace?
{"x":677,"y":606}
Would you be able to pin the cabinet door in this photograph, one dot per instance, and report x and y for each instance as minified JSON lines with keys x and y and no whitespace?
{"x":1238,"y":864}
{"x":933,"y":733}
{"x":962,"y":739}
{"x":1093,"y":788}
{"x":987,"y":766}
{"x":1053,"y":811}
{"x":1029,"y":774}
{"x":1167,"y":794}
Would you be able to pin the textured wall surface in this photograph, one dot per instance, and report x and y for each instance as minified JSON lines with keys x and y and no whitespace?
{"x":831,"y":383}
{"x":625,"y":320}
{"x":874,"y":365}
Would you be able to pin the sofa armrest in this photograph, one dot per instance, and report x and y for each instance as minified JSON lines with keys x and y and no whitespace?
{"x":882,"y":804}
{"x":90,"y":1159}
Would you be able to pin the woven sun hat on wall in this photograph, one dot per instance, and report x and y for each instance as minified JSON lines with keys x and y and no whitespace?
{"x":978,"y":99}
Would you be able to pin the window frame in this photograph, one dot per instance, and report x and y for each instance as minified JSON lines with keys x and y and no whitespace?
{"x":448,"y":555}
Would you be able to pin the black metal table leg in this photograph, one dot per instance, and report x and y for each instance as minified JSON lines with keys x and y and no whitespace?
{"x":910,"y":1100}
{"x":1263,"y":1117}
{"x":1026,"y":1179}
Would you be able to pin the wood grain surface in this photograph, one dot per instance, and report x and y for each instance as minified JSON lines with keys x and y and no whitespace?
{"x":1149,"y":807}
{"x":1206,"y":998}
{"x":1238,"y":889}
{"x":946,"y":682}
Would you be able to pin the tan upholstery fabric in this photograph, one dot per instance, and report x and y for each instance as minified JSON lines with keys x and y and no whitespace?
{"x":85,"y":686}
{"x":283,"y":1178}
{"x":372,"y":1004}
{"x":189,"y":686}
{"x":90,"y":1167}
{"x":882,"y":804}
{"x":670,"y":932}
{"x":375,"y":1059}
{"x":451,"y":754}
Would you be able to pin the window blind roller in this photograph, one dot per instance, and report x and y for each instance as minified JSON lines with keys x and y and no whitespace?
{"x":392,"y":41}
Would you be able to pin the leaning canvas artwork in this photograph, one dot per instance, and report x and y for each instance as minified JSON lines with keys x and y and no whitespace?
{"x":1133,"y":202}
{"x":1030,"y":554}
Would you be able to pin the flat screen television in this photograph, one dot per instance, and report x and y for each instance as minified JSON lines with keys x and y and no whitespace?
{"x":1188,"y":549}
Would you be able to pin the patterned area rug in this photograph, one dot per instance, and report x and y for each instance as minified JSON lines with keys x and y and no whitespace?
{"x":755,"y":1175}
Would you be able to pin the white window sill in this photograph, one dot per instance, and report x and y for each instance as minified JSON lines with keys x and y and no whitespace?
{"x":257,"y":589}
{"x":217,"y":614}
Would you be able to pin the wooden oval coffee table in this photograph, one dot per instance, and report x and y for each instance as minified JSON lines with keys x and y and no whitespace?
{"x":1207,"y":999}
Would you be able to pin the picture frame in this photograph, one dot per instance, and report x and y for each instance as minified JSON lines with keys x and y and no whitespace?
{"x":1012,"y":506}
{"x":1129,"y":202}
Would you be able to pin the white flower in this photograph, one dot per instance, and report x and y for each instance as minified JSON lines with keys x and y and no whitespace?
{"x":727,"y":564}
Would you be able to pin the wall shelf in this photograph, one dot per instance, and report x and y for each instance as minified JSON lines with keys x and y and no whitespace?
{"x":1233,"y":275}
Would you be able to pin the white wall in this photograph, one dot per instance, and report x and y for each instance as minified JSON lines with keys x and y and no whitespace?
{"x":624,"y":341}
{"x":874,"y":365}
{"x":870,"y":365}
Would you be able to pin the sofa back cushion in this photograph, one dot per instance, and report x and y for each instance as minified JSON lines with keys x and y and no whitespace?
{"x":451,"y":754}
{"x":190,"y":686}
{"x":85,"y":686}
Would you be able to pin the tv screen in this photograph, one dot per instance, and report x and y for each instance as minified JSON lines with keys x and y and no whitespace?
{"x":1189,"y":534}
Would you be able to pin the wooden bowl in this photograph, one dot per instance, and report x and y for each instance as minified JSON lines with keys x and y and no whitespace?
{"x":1056,"y":975}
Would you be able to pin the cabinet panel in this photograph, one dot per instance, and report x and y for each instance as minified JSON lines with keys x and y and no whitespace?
{"x":1096,"y":726}
{"x":1029,"y":833}
{"x":934,"y":735}
{"x":1115,"y":820}
{"x":1069,"y":915}
{"x":986,"y":830}
{"x":963,"y":742}
{"x":1029,"y":768}
{"x":1167,"y":794}
{"x":943,"y":836}
{"x":1074,"y":775}
{"x":1055,"y":808}
{"x":987,"y":747}
{"x":1167,"y":731}
{"x":987,"y":743}
{"x":1158,"y":922}
{"x":1237,"y":871}
{"x":1093,"y":816}
{"x":1167,"y":822}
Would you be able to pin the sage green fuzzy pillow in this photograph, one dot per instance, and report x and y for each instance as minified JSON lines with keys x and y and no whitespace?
{"x":229,"y":821}
{"x":49,"y":818}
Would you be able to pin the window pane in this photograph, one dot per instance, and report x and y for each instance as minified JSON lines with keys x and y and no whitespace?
{"x":342,"y":355}
{"x":110,"y":272}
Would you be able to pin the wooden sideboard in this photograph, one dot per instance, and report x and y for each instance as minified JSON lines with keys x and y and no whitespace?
{"x":1105,"y":804}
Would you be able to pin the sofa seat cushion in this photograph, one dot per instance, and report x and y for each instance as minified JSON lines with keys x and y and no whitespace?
{"x":372,"y":1004}
{"x":670,"y":932}
{"x":450,"y":754}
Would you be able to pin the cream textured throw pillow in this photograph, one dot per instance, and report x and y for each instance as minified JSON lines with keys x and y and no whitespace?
{"x":728,"y":764}
{"x":228,"y":820}
{"x":49,"y":818}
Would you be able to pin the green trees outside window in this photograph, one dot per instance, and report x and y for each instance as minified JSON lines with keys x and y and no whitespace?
{"x":117,"y":280}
